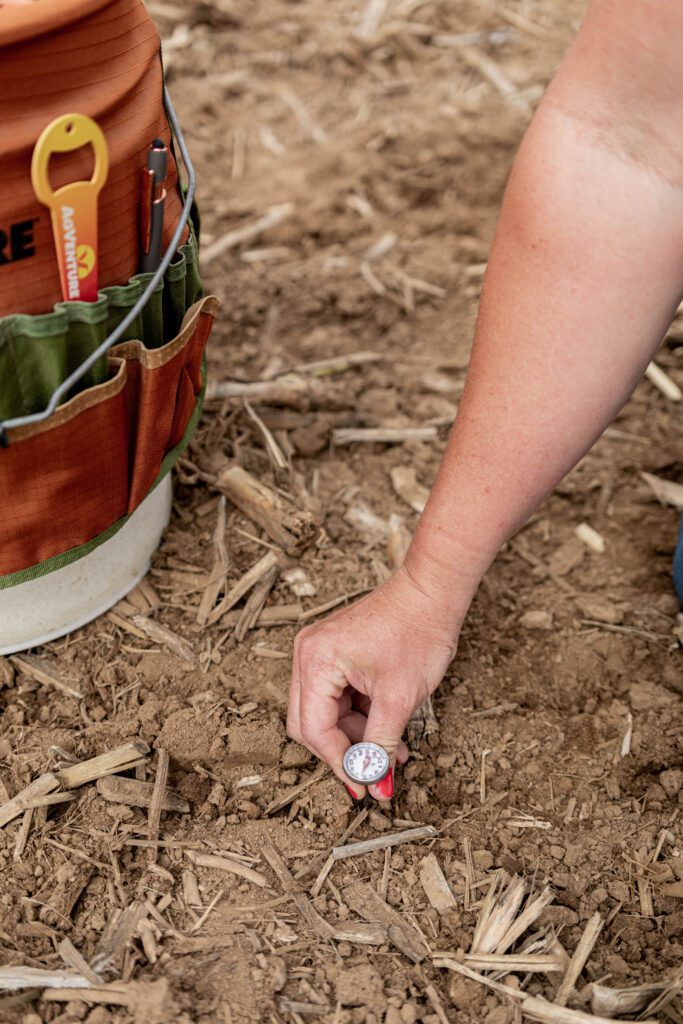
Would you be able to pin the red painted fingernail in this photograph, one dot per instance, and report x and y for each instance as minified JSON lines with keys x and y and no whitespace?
{"x":354,"y":795}
{"x":385,"y":788}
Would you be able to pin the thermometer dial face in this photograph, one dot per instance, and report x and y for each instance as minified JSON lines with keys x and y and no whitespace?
{"x":366,"y":763}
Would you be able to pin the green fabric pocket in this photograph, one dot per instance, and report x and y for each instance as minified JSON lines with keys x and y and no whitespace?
{"x":38,"y":352}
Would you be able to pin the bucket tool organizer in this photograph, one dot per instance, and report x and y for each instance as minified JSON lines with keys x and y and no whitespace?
{"x":97,"y":398}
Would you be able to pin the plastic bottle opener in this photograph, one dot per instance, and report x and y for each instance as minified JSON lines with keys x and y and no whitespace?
{"x":73,"y":207}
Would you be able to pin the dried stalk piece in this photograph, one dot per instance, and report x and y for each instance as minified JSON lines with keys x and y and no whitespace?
{"x":43,"y":671}
{"x":290,"y":796}
{"x":191,"y":892}
{"x":217,"y":578}
{"x":119,"y":759}
{"x":362,"y":898}
{"x":134,"y":793}
{"x":209,"y":860}
{"x":248,"y":232}
{"x":510,"y":963}
{"x":271,"y":560}
{"x":12,"y":979}
{"x":411,"y":835}
{"x":76,"y":961}
{"x":613,"y":1002}
{"x":291,"y":887}
{"x":292,"y":528}
{"x":383,"y":435}
{"x":579,"y":959}
{"x":22,"y":801}
{"x":62,"y":891}
{"x":156,"y":803}
{"x":166,"y":637}
{"x":120,"y":930}
{"x":255,"y":603}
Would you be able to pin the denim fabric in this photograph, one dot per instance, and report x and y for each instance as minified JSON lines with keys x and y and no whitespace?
{"x":678,"y":565}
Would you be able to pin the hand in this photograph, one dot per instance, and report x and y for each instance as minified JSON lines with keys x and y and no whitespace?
{"x":362,"y":672}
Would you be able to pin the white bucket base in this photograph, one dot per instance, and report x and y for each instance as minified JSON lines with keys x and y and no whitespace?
{"x":55,"y":604}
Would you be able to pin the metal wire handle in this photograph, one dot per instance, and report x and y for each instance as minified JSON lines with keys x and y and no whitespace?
{"x":122,"y":327}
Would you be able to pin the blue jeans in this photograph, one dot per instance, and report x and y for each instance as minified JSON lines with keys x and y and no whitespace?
{"x":678,"y":565}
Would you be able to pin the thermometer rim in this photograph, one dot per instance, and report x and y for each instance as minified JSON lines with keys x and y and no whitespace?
{"x":368,"y":781}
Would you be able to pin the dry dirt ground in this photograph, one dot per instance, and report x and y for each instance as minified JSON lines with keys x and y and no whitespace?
{"x":390,"y":128}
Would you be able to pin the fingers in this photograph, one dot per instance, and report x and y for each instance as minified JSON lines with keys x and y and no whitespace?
{"x":386,"y":722}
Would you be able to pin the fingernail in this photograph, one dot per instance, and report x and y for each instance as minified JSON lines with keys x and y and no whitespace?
{"x":354,"y":795}
{"x":385,"y":788}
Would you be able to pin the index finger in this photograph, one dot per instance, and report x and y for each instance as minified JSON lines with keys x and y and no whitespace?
{"x":320,"y":708}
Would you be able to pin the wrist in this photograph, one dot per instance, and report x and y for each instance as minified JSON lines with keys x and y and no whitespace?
{"x":445,"y":571}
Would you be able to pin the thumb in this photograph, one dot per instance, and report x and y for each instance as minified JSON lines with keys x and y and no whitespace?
{"x":387,"y":720}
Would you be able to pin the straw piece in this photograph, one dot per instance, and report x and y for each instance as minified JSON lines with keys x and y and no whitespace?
{"x":591,"y":538}
{"x":22,"y":801}
{"x":134,"y":793}
{"x":271,"y":560}
{"x":661,"y":380}
{"x":220,"y":567}
{"x":290,"y":885}
{"x":120,"y":930}
{"x":532,"y":910}
{"x":363,"y":899}
{"x":541,"y":963}
{"x":248,"y":232}
{"x":616,"y":1001}
{"x":283,"y":801}
{"x":22,"y":834}
{"x":72,"y":958}
{"x":40,"y":670}
{"x":119,"y":759}
{"x":434,"y":999}
{"x":156,"y":803}
{"x":210,"y":860}
{"x":14,"y":978}
{"x":411,"y":835}
{"x":167,"y":638}
{"x":291,"y":528}
{"x":383,"y":435}
{"x":665,"y":491}
{"x":579,"y":958}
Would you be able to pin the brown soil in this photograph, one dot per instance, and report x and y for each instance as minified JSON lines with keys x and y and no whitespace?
{"x":407,"y":137}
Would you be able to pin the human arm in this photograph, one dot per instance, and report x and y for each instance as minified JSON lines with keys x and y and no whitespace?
{"x":585,"y":273}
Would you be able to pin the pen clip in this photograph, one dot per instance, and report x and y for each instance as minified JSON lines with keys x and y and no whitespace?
{"x":146,"y":199}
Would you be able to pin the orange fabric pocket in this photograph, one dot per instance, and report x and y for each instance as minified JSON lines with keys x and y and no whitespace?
{"x":68,"y":479}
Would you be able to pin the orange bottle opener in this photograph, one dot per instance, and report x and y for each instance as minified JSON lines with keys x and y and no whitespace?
{"x":73,"y":207}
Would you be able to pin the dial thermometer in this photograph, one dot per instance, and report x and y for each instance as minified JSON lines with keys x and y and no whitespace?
{"x":366,"y":763}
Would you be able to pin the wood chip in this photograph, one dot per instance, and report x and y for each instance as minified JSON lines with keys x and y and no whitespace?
{"x":435,"y":885}
{"x":209,"y":860}
{"x":134,"y":793}
{"x":119,"y":759}
{"x":411,"y":835}
{"x":191,"y":892}
{"x":405,"y":483}
{"x":668,"y":492}
{"x":22,"y":801}
{"x":362,"y":898}
{"x":43,"y":671}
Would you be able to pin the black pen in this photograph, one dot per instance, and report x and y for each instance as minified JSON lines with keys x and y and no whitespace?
{"x":153,"y":197}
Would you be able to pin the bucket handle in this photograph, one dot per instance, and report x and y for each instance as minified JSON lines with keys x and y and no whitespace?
{"x":122,"y":327}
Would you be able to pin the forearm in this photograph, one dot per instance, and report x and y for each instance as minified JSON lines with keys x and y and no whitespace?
{"x":585,"y":273}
